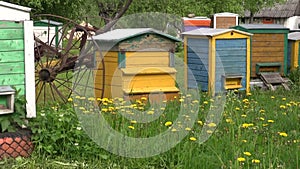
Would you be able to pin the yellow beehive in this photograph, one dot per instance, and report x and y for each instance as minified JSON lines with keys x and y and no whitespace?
{"x":137,"y":62}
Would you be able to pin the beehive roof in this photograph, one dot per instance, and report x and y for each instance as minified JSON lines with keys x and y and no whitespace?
{"x":119,"y":35}
{"x":212,"y":32}
{"x":14,"y":6}
{"x":262,"y":26}
{"x":294,"y":36}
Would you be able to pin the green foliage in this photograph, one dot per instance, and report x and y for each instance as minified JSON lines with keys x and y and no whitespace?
{"x":57,"y":132}
{"x":12,"y":122}
{"x":294,"y":76}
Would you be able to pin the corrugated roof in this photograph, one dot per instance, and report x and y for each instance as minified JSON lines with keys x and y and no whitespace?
{"x":262,"y":26}
{"x":212,"y":32}
{"x":118,"y":35}
{"x":279,"y":10}
{"x":294,"y":36}
{"x":14,"y":6}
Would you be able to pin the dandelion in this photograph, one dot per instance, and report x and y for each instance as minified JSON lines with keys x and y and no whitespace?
{"x":91,"y":99}
{"x":229,"y":120}
{"x":188,"y":129}
{"x":70,"y":99}
{"x":241,"y":159}
{"x":245,"y":101}
{"x":173,"y":130}
{"x":262,"y":119}
{"x":283,"y":134}
{"x":162,"y":108}
{"x":193,"y":139}
{"x":249,"y":94}
{"x":212,"y":125}
{"x":133,"y":121}
{"x":181,"y":100}
{"x":246,"y":125}
{"x":81,"y":108}
{"x":244,"y":141}
{"x":265,"y":125}
{"x":205,"y":102}
{"x":131,"y":127}
{"x":168,"y":123}
{"x":270,"y":121}
{"x":195,"y":101}
{"x":262,"y":111}
{"x":243,"y":115}
{"x":209,"y":132}
{"x":104,"y":109}
{"x":256,"y":161}
{"x":282,"y":106}
{"x":247,"y":153}
{"x":77,"y":97}
{"x":272,"y":97}
{"x":99,"y":99}
{"x":82,"y":98}
{"x":283,"y":99}
{"x":200,"y":122}
{"x":237,"y":108}
{"x":150,"y":112}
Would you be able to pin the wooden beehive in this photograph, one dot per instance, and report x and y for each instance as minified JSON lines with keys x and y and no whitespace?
{"x":269,"y":47}
{"x":195,"y":23}
{"x":217,"y":59}
{"x":17,"y":52}
{"x":294,"y":50}
{"x":137,"y":62}
{"x":225,"y":20}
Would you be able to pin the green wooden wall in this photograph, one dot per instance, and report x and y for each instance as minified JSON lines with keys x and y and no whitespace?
{"x":12,"y":70}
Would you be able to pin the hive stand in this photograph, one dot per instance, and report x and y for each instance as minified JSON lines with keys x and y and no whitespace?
{"x":272,"y":79}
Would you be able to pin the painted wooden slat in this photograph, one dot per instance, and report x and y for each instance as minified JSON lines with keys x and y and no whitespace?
{"x":11,"y":45}
{"x":10,"y":24}
{"x":11,"y":68}
{"x":12,"y":79}
{"x":11,"y":34}
{"x":12,"y":56}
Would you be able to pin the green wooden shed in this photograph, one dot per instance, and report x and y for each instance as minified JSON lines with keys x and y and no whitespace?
{"x":269,"y":47}
{"x":17,"y":54}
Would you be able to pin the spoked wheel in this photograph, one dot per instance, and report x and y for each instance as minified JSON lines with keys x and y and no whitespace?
{"x":64,"y":59}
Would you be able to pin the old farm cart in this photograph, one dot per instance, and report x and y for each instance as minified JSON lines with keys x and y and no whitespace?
{"x":56,"y":66}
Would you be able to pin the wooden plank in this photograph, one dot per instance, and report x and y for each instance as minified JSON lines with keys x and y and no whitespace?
{"x":267,"y":59}
{"x":12,"y":79}
{"x":12,"y":67}
{"x":268,"y":44}
{"x":12,"y":56}
{"x":272,"y":78}
{"x":267,"y":37}
{"x":268,"y":49}
{"x":11,"y":45}
{"x":11,"y":34}
{"x":267,"y":54}
{"x":10,"y":24}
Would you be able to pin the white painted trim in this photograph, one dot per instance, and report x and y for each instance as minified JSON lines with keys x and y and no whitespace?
{"x":29,"y":69}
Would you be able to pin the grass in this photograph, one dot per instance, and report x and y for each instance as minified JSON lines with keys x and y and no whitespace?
{"x":257,"y":130}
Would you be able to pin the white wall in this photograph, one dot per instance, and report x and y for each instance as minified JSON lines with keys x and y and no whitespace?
{"x":292,"y":22}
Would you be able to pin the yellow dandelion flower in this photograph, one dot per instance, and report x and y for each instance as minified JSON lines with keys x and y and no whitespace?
{"x":205,"y":102}
{"x":168,"y":123}
{"x":283,"y":134}
{"x":288,"y":104}
{"x":237,"y":108}
{"x":282,"y":106}
{"x":245,"y":100}
{"x":181,"y":100}
{"x":75,"y":105}
{"x":229,"y":120}
{"x":133,"y":121}
{"x":283,"y":99}
{"x":91,"y":99}
{"x":212,"y":125}
{"x":195,"y":101}
{"x":272,"y":97}
{"x":162,"y":108}
{"x":99,"y":99}
{"x":247,"y":153}
{"x":211,"y":100}
{"x":249,"y":94}
{"x":261,"y":118}
{"x":256,"y":161}
{"x":173,"y":129}
{"x":241,"y":159}
{"x":243,"y":115}
{"x":131,"y":127}
{"x":81,"y":108}
{"x":193,"y":139}
{"x":246,"y":125}
{"x":188,"y":95}
{"x":150,"y":112}
{"x":104,"y":109}
{"x":188,"y":129}
{"x":70,"y":99}
{"x":270,"y":121}
{"x":200,"y":122}
{"x":265,"y":125}
{"x":82,"y":98}
{"x":209,"y":132}
{"x":262,"y":111}
{"x":244,"y":141}
{"x":77,"y":97}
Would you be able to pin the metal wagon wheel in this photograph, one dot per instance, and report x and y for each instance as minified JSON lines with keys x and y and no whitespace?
{"x":64,"y":60}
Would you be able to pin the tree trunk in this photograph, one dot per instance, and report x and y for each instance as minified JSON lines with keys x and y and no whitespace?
{"x":251,"y":17}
